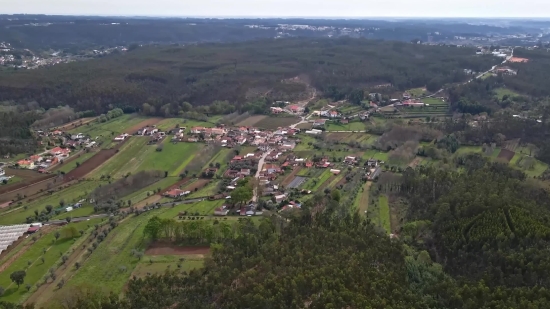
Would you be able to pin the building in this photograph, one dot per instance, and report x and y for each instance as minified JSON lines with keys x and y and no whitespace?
{"x":174,"y":193}
{"x":221,"y":211}
{"x":57,"y":151}
{"x":26,"y":164}
{"x":295,"y":109}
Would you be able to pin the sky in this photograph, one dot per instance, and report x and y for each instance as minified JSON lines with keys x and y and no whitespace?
{"x":283,"y":8}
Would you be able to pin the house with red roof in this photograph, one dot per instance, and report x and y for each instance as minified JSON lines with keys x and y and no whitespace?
{"x":60,"y":151}
{"x":295,"y":109}
{"x":26,"y":164}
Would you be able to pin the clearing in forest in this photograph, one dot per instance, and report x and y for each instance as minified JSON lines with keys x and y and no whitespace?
{"x":362,"y":199}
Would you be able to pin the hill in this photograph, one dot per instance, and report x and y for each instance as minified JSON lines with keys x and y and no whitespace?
{"x":167,"y":77}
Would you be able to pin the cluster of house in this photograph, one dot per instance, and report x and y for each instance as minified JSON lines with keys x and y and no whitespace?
{"x":154,"y":133}
{"x":231,"y":137}
{"x":248,"y":210}
{"x":291,"y":109}
{"x":70,"y":140}
{"x":44,"y":160}
{"x":506,"y":71}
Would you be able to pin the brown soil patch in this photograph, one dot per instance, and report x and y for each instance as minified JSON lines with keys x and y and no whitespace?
{"x":506,"y":155}
{"x":252,"y":120}
{"x":415,"y":162}
{"x":94,"y":162}
{"x":28,"y":188}
{"x":161,"y":248}
{"x":177,"y":185}
{"x":144,"y":123}
{"x":75,"y":124}
{"x":201,"y":183}
{"x":291,"y":176}
{"x":338,"y":136}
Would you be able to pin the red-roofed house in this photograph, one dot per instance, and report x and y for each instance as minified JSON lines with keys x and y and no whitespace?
{"x":236,"y":158}
{"x":295,"y":108}
{"x":35,"y":158}
{"x":309,"y":164}
{"x":174,"y":193}
{"x":60,"y":151}
{"x":26,"y":164}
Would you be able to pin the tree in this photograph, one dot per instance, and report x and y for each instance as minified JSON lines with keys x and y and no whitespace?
{"x":49,"y":208}
{"x":18,"y":277}
{"x":68,"y":219}
{"x":56,"y":235}
{"x":153,"y":227}
{"x":241,"y":194}
{"x":28,"y":287}
{"x":2,"y":290}
{"x":335,"y":195}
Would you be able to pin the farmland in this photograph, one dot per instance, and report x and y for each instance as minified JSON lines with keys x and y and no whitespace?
{"x":384,"y":218}
{"x":352,"y":126}
{"x":271,"y":123}
{"x":46,"y":247}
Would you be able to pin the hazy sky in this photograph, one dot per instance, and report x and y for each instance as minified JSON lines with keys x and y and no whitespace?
{"x":284,"y":8}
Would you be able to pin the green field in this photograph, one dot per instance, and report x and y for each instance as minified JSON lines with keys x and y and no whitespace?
{"x":103,"y":268}
{"x":385,"y":213}
{"x":169,"y":124}
{"x":382,"y":156}
{"x":352,"y":126}
{"x":202,"y":208}
{"x":468,"y":149}
{"x":107,"y":130}
{"x":416,"y":92}
{"x":37,"y":269}
{"x":515,"y":159}
{"x":173,"y":158}
{"x":158,"y":264}
{"x":210,"y":189}
{"x":69,"y":195}
{"x":501,"y":92}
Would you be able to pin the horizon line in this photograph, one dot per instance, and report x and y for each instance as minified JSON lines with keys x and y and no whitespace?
{"x":280,"y":17}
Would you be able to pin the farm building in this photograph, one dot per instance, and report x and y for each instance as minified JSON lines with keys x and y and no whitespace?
{"x":221,"y":211}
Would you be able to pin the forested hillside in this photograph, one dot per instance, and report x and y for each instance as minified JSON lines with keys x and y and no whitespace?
{"x":167,"y":77}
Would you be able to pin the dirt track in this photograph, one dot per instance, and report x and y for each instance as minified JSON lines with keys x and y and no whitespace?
{"x":159,"y":248}
{"x":144,"y":123}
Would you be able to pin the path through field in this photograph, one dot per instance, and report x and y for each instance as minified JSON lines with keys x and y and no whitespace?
{"x":364,"y":201}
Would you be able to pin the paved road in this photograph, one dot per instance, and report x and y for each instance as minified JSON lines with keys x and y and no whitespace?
{"x":257,"y":176}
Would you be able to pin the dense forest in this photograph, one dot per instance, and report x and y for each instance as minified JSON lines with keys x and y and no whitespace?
{"x":168,"y":77}
{"x":72,"y":33}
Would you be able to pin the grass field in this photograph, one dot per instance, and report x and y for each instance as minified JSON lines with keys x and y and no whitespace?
{"x":352,"y":126}
{"x":104,"y":267}
{"x":416,"y":92}
{"x":202,"y":208}
{"x":515,"y":159}
{"x":382,"y":156}
{"x":220,"y":157}
{"x":361,"y":202}
{"x":501,"y":92}
{"x":37,"y":269}
{"x":173,"y":158}
{"x":105,"y":131}
{"x":68,"y":195}
{"x":210,"y":189}
{"x":169,"y":124}
{"x":158,"y":264}
{"x":315,"y":182}
{"x":385,"y":213}
{"x":135,"y":155}
{"x":468,"y":149}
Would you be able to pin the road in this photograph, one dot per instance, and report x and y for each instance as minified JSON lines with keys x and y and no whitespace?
{"x":167,"y":204}
{"x":257,"y":176}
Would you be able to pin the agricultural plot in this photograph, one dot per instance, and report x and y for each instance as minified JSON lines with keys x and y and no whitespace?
{"x":71,"y":194}
{"x":111,"y":264}
{"x":417,"y":92}
{"x":173,"y":158}
{"x":169,"y":124}
{"x":384,"y":218}
{"x":251,"y":121}
{"x":361,"y":202}
{"x":209,"y":190}
{"x":127,"y":152}
{"x":468,"y":149}
{"x":202,"y":208}
{"x":271,"y":123}
{"x":158,"y":264}
{"x":106,"y":131}
{"x":222,"y":158}
{"x":501,"y":92}
{"x":506,"y":155}
{"x":69,"y":166}
{"x":46,"y":247}
{"x":352,"y":126}
{"x":296,"y":182}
